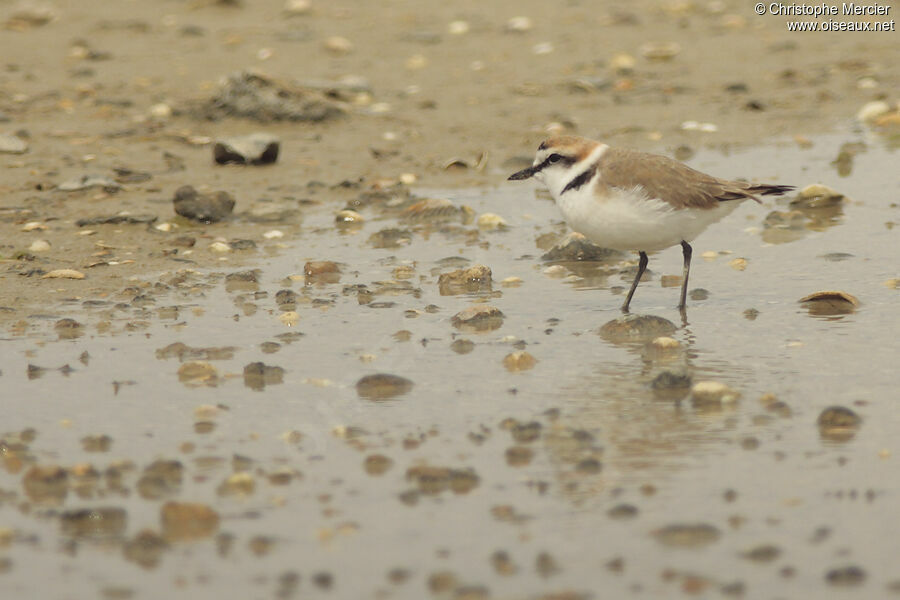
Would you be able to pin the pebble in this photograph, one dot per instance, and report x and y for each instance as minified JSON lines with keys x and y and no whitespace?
{"x":871,"y":111}
{"x":294,"y":8}
{"x":258,"y":375}
{"x":660,"y":50}
{"x":519,"y":361}
{"x":198,"y":373}
{"x":542,"y":48}
{"x":738,"y":264}
{"x":706,"y":394}
{"x":237,"y":484}
{"x":348,"y":217}
{"x":490,"y":221}
{"x":846,"y":576}
{"x":476,"y":278}
{"x":86,"y":182}
{"x":829,"y":303}
{"x":205,"y":208}
{"x":817,"y":196}
{"x":636,"y":328}
{"x":161,"y":111}
{"x":519,"y":24}
{"x":556,"y":271}
{"x":458,"y":27}
{"x":11,"y":144}
{"x":289,"y":318}
{"x":338,"y":45}
{"x":34,"y":226}
{"x":46,"y":484}
{"x":838,"y":423}
{"x":39,"y":246}
{"x":698,"y":126}
{"x":382,"y":386}
{"x":221,"y":247}
{"x":622,"y":63}
{"x":693,"y":535}
{"x":511,"y":281}
{"x":273,"y":234}
{"x":478,"y":318}
{"x":105,"y":523}
{"x":377,"y":464}
{"x":187,"y":521}
{"x":63,"y":274}
{"x":575,"y":246}
{"x":252,"y":149}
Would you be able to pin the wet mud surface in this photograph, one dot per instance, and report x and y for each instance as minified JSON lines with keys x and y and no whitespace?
{"x":416,"y":406}
{"x":384,"y":372}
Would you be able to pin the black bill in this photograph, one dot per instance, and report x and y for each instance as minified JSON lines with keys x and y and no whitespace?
{"x":524,"y":173}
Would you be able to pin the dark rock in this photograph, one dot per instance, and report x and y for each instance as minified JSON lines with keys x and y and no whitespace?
{"x":253,"y":149}
{"x":206,"y":208}
{"x":382,"y":386}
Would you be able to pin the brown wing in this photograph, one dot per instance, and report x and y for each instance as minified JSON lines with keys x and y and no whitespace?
{"x":670,"y":180}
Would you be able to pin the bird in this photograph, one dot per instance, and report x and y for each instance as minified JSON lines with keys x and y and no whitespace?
{"x":636,"y":201}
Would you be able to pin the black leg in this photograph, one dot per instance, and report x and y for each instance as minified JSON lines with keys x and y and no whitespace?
{"x":642,"y":266}
{"x":687,"y":250}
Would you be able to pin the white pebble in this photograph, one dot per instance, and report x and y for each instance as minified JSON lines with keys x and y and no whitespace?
{"x":458,"y":27}
{"x":519,"y":24}
{"x":491,"y":221}
{"x":407,"y":178}
{"x":872,"y":110}
{"x":542,"y":48}
{"x":39,"y":246}
{"x":220,"y":247}
{"x":161,"y":111}
{"x":273,"y":234}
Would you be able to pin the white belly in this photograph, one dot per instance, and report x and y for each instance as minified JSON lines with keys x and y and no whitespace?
{"x":629,"y":220}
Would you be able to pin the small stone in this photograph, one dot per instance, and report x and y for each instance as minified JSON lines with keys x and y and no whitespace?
{"x":252,"y":149}
{"x":338,"y":45}
{"x":519,"y":25}
{"x":476,"y":278}
{"x":738,"y":264}
{"x":846,"y":576}
{"x":660,"y":50}
{"x":39,"y":246}
{"x":838,"y":423}
{"x":517,"y":281}
{"x":762,"y":554}
{"x":205,"y":208}
{"x":458,"y":27}
{"x":830,"y":303}
{"x":671,"y":380}
{"x":238,"y":484}
{"x":161,"y":111}
{"x":258,"y":375}
{"x":636,"y":328}
{"x":871,"y":111}
{"x":46,"y":484}
{"x":622,"y":511}
{"x":478,"y":318}
{"x":188,"y":521}
{"x":622,"y":63}
{"x":86,"y":182}
{"x":546,"y":565}
{"x":382,"y":386}
{"x":63,"y":274}
{"x":817,"y":196}
{"x":519,"y":361}
{"x":295,"y":8}
{"x":145,"y":549}
{"x":574,"y":246}
{"x":491,"y":222}
{"x":707,"y":394}
{"x":377,"y":464}
{"x":94,"y":524}
{"x":462,"y":346}
{"x":691,"y":535}
{"x":11,"y":144}
{"x":556,"y":271}
{"x":321,"y":271}
{"x":348,"y":217}
{"x":198,"y":373}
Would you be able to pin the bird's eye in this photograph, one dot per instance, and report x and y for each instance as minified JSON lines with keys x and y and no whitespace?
{"x":554,"y":158}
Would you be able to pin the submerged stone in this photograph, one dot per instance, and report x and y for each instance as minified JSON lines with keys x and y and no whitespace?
{"x":382,"y":386}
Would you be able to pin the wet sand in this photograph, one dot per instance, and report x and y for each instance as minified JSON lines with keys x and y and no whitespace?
{"x":259,"y":422}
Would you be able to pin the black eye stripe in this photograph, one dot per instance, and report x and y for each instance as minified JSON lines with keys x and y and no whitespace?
{"x":560,"y":159}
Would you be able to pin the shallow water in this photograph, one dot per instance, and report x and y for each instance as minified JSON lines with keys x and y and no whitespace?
{"x":756,"y":478}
